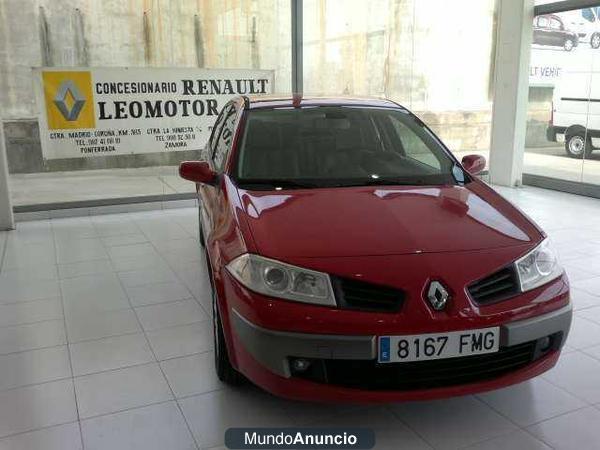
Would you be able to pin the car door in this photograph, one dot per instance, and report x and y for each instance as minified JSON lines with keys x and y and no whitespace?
{"x":542,"y":31}
{"x":557,"y":32}
{"x":537,"y":32}
{"x":212,"y":195}
{"x":204,"y":190}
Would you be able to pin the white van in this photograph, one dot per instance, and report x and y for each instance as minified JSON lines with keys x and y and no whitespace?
{"x":575,"y":114}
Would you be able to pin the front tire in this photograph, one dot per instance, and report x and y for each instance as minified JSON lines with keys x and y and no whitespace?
{"x":569,"y":44}
{"x":225,"y":371}
{"x":578,"y":145}
{"x":595,"y":41}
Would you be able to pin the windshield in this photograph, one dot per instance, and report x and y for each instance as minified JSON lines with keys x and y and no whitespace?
{"x":339,"y":146}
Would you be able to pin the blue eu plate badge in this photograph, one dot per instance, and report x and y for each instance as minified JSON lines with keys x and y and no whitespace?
{"x":384,"y":349}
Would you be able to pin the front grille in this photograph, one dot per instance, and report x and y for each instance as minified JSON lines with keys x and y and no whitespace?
{"x":496,"y":287}
{"x":360,"y":295}
{"x":372,"y":375}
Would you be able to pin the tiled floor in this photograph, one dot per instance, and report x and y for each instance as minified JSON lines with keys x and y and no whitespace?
{"x":105,"y":343}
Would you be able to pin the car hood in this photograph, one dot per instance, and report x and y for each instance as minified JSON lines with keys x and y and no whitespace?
{"x":382,"y":220}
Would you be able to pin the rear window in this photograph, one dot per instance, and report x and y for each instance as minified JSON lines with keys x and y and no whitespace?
{"x":340,"y":146}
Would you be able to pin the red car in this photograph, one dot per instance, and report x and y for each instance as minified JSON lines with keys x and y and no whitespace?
{"x":354,"y":259}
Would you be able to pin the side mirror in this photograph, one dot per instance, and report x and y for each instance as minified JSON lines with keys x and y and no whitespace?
{"x":474,"y":164}
{"x":197,"y":171}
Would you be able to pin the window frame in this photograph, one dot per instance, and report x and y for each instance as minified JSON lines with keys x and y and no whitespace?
{"x":233,"y":111}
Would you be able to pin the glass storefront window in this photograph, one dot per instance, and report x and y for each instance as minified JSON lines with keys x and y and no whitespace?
{"x":564,"y":94}
{"x":170,"y":35}
{"x":433,"y":57}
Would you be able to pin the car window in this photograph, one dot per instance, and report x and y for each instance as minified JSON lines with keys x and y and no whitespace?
{"x":216,"y":128}
{"x":338,"y":146}
{"x":413,"y":146}
{"x":223,"y":143}
{"x":542,"y":21}
{"x":588,"y":15}
{"x":555,"y":24}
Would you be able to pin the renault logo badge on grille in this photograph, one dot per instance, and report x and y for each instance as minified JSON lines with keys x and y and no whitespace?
{"x":437,"y":295}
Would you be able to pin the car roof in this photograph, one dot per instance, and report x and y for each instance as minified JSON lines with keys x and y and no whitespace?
{"x":290,"y":101}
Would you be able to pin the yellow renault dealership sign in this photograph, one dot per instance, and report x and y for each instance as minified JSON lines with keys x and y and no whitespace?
{"x":108,"y":111}
{"x":69,"y":100}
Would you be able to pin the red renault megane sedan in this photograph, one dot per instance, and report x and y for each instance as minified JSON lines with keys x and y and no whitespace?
{"x":353,"y":258}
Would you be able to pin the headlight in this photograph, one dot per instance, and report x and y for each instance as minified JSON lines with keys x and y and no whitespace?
{"x":538,"y":267}
{"x":281,"y":280}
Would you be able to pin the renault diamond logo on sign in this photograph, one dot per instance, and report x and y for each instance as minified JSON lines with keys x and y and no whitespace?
{"x":437,"y":295}
{"x":69,"y":99}
{"x":68,"y":91}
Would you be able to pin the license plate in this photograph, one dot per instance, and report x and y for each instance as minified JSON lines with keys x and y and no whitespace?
{"x":423,"y":347}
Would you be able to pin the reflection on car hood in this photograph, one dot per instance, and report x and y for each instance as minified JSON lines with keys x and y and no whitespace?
{"x":383,"y":220}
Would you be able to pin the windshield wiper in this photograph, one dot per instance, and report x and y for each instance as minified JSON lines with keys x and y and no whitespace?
{"x":278,"y":183}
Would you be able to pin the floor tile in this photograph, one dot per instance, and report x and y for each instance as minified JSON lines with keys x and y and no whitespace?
{"x":93,"y":293}
{"x":132,"y":251}
{"x":78,"y":250}
{"x":29,"y":255}
{"x":531,"y":402}
{"x":156,"y":427}
{"x":166,"y":231}
{"x":582,"y":299}
{"x":594,"y":352}
{"x":149,"y":294}
{"x":12,"y":292}
{"x":110,"y":353}
{"x":34,"y":366}
{"x":577,"y":273}
{"x":577,"y":373}
{"x":20,"y":338}
{"x":30,"y":312}
{"x":192,"y":375}
{"x":584,"y":333}
{"x":589,"y":285}
{"x":390,"y":433}
{"x":117,"y":390}
{"x":185,"y":340}
{"x":573,"y":431}
{"x":518,"y":440}
{"x":190,"y":254}
{"x":97,"y":287}
{"x":125,"y":239}
{"x":120,"y":228}
{"x":147,"y":276}
{"x":453,"y":423}
{"x":60,"y":437}
{"x":79,"y":269}
{"x":209,"y":415}
{"x":43,"y":272}
{"x":170,"y":314}
{"x":32,"y":407}
{"x":138,"y":263}
{"x":592,"y":313}
{"x":95,"y":325}
{"x":174,"y":245}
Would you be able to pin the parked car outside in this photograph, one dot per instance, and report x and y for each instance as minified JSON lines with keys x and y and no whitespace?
{"x":585,"y":23}
{"x":352,"y":258}
{"x":551,"y":30}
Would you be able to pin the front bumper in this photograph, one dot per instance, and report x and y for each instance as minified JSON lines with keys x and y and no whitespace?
{"x":265,"y":357}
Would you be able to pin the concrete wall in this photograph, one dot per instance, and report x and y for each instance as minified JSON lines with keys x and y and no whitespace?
{"x":434,"y":57}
